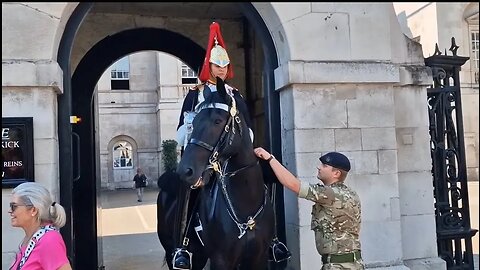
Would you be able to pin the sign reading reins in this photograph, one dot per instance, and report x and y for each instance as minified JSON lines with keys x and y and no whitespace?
{"x":17,"y":151}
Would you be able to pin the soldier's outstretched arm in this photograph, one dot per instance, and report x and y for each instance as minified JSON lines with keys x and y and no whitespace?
{"x":284,"y":176}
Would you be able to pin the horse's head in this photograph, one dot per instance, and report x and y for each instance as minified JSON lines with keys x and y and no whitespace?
{"x":219,"y":133}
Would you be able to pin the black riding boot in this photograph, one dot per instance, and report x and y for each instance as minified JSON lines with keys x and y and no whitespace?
{"x":182,"y":258}
{"x":279,"y":251}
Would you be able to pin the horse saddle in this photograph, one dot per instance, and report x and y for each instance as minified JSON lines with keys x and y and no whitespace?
{"x":278,"y":251}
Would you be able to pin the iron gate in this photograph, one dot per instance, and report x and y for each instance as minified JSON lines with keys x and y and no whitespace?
{"x":449,"y":170}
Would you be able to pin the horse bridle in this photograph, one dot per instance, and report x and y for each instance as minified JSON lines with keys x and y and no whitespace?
{"x":214,"y":164}
{"x":226,"y":136}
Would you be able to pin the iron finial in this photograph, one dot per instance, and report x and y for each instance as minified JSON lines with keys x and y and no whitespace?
{"x":454,"y":47}
{"x":437,"y":50}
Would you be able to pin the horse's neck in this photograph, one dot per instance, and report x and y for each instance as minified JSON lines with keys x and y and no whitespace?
{"x":245,"y":156}
{"x":250,"y":176}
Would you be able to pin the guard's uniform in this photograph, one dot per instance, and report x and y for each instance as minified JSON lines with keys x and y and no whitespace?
{"x":194,"y":97}
{"x":216,"y":54}
{"x":336,"y":223}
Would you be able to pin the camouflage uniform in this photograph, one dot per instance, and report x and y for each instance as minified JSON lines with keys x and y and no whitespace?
{"x":335,"y":221}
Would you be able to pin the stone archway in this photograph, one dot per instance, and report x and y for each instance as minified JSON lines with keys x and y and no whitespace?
{"x":80,"y":196}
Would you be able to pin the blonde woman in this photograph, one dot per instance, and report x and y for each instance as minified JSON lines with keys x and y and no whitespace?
{"x":33,"y":210}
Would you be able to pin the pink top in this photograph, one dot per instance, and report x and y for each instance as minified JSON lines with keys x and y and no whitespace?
{"x":49,"y":253}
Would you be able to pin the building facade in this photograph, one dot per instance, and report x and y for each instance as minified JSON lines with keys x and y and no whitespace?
{"x":436,"y":23}
{"x":318,"y":77}
{"x":139,"y":102}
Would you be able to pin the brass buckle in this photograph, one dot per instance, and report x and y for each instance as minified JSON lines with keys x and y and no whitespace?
{"x":185,"y":241}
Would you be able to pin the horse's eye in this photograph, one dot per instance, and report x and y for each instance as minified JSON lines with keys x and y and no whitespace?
{"x":218,"y":121}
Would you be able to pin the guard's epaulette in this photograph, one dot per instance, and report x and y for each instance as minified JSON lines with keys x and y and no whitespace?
{"x":235,"y":89}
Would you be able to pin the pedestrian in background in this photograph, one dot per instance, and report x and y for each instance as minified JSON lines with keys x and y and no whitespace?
{"x":33,"y":210}
{"x":336,"y":214}
{"x":140,"y":183}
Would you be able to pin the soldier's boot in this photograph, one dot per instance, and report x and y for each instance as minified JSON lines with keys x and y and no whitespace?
{"x":182,"y":258}
{"x":279,"y":251}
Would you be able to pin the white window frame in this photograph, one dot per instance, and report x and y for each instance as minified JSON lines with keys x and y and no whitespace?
{"x":187,"y":72}
{"x":473,"y":38}
{"x":474,"y":53}
{"x":122,"y":153}
{"x":119,"y":75}
{"x":120,"y":71}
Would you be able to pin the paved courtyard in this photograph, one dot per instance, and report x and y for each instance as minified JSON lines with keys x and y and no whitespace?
{"x":129,"y":229}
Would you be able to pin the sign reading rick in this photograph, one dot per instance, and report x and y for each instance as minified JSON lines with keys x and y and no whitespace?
{"x":17,"y":151}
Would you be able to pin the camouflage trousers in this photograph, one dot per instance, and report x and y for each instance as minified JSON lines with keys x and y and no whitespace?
{"x":358,"y":265}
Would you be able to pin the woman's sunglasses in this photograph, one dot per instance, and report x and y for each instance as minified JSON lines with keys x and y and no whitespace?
{"x":13,"y":206}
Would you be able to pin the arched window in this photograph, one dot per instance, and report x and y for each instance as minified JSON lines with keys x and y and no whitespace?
{"x":122,"y":155}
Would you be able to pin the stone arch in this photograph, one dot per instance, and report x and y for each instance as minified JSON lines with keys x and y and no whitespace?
{"x":85,"y":253}
{"x":470,"y":11}
{"x":65,"y":17}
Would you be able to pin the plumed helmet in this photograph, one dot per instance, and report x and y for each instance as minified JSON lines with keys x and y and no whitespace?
{"x":216,"y":53}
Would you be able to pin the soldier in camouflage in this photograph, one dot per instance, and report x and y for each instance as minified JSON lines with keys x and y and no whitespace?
{"x":336,"y":212}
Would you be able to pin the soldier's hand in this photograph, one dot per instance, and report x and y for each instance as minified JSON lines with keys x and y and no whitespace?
{"x":261,"y":153}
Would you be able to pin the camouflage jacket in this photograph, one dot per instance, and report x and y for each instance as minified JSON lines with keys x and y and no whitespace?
{"x":335,"y":217}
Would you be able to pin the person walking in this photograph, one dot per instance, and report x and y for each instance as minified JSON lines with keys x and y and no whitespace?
{"x":336,"y":214}
{"x":42,"y":247}
{"x":140,"y":183}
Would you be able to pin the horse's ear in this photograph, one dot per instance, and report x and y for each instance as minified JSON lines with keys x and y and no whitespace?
{"x":222,"y":91}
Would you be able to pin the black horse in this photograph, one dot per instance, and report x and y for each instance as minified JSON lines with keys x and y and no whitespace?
{"x":232,"y":206}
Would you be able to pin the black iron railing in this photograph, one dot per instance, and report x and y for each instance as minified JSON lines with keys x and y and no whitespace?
{"x":449,"y":170}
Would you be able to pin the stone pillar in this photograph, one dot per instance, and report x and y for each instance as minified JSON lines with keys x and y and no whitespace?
{"x":30,"y":89}
{"x":361,"y":110}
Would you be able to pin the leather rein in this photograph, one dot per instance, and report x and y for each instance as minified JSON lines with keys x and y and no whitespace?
{"x":216,"y":165}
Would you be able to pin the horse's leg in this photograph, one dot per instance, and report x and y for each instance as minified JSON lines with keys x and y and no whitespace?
{"x":258,"y":264}
{"x":166,"y":203}
{"x":164,"y":231}
{"x":222,"y":262}
{"x":255,"y":256}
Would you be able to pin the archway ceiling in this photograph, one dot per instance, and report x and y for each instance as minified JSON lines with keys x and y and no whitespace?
{"x":172,"y":9}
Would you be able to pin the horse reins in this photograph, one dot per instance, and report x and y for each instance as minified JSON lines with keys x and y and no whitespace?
{"x":214,"y":164}
{"x":250,"y":224}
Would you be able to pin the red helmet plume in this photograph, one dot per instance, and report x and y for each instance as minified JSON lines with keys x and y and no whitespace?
{"x":216,"y":53}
